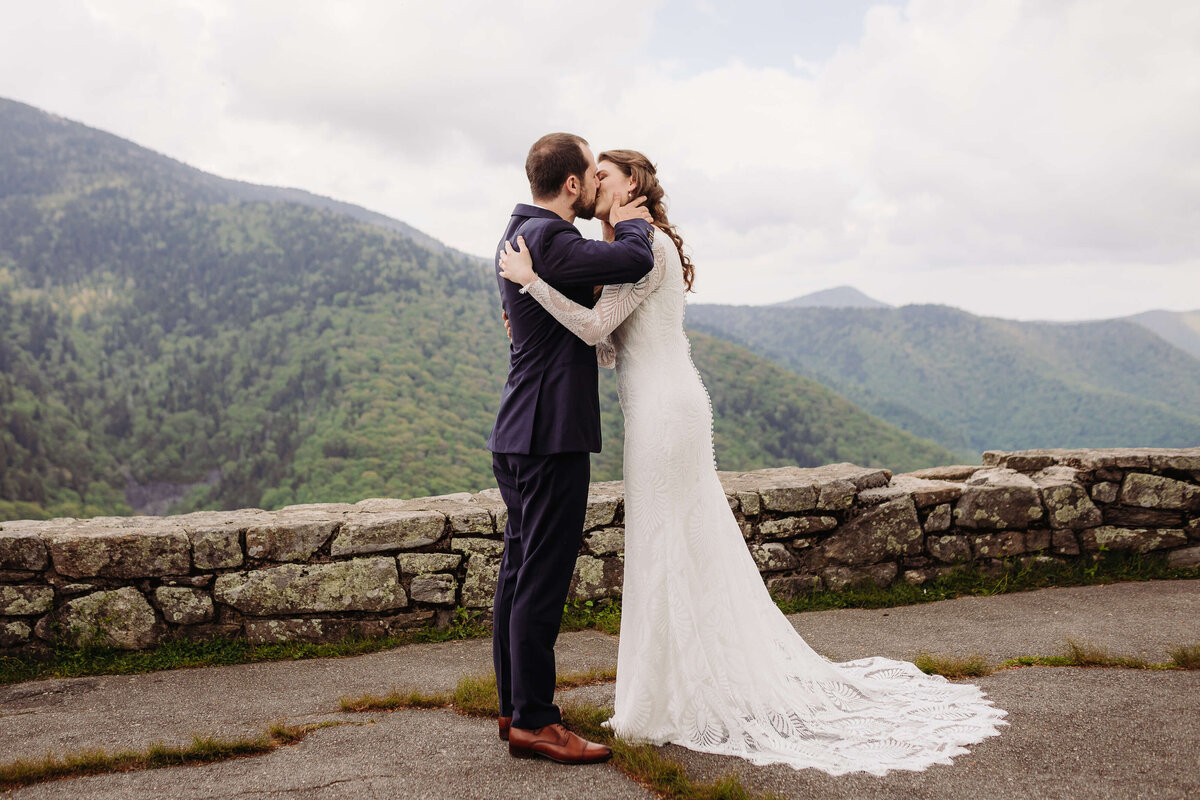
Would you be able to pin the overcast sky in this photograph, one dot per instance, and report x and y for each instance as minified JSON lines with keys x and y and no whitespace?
{"x":1034,"y":160}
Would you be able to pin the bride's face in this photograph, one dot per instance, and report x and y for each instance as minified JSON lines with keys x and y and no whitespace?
{"x":611,"y":179}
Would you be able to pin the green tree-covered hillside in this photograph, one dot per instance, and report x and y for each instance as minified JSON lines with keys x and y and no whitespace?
{"x":973,"y":383}
{"x":767,"y":416}
{"x":161,"y":328}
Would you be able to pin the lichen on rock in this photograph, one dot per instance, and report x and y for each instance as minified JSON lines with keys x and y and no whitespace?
{"x":121,"y":618}
{"x":361,"y":584}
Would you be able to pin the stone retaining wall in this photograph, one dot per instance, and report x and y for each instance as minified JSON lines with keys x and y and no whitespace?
{"x":320,"y":572}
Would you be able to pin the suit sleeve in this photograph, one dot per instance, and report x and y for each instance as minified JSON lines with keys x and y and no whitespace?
{"x":568,"y":259}
{"x":617,"y":301}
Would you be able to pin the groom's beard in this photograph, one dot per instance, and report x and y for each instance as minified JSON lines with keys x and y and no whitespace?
{"x":585,"y":207}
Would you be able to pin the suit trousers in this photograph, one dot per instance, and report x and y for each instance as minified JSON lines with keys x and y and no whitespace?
{"x":546,"y":496}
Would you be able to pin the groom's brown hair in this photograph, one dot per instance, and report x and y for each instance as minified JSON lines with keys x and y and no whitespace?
{"x":552,"y":159}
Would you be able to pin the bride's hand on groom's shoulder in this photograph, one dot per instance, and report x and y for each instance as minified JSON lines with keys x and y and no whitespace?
{"x":632,"y":209}
{"x":517,"y":265}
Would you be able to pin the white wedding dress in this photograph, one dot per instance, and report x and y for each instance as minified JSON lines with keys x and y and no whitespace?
{"x":706,"y":659}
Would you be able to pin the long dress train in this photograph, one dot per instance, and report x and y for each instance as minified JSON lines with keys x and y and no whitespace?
{"x":706,"y":659}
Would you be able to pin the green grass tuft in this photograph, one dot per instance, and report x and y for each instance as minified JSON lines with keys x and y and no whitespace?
{"x":650,"y":768}
{"x":589,"y":677}
{"x":666,"y":778}
{"x":953,"y":667}
{"x":202,"y":750}
{"x":395,"y":700}
{"x":1037,"y":661}
{"x":1186,"y":656}
{"x":290,"y":734}
{"x":1083,"y":654}
{"x":1074,"y":654}
{"x":476,"y":696}
{"x":586,"y":718}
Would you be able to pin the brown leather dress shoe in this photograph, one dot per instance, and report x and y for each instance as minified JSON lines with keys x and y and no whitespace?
{"x":505,"y":724}
{"x":556,"y":743}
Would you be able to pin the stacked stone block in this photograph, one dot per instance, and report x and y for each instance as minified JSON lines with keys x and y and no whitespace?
{"x":326,"y":571}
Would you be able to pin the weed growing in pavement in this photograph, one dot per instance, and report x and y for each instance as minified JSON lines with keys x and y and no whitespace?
{"x":202,"y":750}
{"x":953,"y":667}
{"x":1186,"y":656}
{"x":1083,"y":654}
{"x":396,"y":700}
{"x":1074,"y":654}
{"x":475,"y":695}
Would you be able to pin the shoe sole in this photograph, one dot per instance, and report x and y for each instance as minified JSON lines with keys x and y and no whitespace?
{"x":527,"y":752}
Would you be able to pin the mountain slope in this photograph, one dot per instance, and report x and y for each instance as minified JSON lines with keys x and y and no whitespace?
{"x":84,"y":158}
{"x":967,"y":381}
{"x":164,"y":331}
{"x":1180,"y":328}
{"x":766,"y":416}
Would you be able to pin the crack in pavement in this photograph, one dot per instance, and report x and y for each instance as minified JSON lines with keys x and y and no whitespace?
{"x":294,"y":789}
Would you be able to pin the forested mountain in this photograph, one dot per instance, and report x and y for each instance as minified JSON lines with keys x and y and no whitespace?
{"x":1180,"y":328}
{"x":163,"y":328}
{"x":767,"y":416}
{"x":973,"y":383}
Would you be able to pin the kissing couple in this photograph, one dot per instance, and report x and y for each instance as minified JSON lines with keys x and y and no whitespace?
{"x":706,"y":659}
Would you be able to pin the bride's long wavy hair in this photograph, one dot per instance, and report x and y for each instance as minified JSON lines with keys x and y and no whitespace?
{"x":637,"y":166}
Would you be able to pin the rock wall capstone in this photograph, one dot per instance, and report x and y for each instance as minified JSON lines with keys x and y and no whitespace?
{"x":324,"y":571}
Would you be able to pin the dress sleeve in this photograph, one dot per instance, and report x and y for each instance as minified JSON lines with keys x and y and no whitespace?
{"x":606,"y":353}
{"x":616,"y":302}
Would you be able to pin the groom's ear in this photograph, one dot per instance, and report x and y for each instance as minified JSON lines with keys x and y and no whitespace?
{"x":571,"y":184}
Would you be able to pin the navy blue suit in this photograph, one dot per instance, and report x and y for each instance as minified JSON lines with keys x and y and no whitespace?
{"x":548,"y":423}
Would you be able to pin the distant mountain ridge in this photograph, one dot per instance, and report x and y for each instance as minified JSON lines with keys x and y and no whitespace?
{"x":1180,"y":328}
{"x":974,"y":383}
{"x":164,"y":327}
{"x":837,"y":297}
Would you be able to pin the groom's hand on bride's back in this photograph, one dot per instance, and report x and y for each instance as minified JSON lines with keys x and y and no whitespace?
{"x":630,"y":210}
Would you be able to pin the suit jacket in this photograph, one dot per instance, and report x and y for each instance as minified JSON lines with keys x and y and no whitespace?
{"x":550,"y":402}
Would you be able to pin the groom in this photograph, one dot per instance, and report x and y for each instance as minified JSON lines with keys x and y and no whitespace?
{"x":548,"y":423}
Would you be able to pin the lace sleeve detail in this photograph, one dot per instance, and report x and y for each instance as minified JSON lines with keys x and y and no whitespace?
{"x":616,"y":302}
{"x":606,"y":353}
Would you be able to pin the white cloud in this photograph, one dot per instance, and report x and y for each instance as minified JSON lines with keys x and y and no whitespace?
{"x":425,"y":80}
{"x":1061,"y":141}
{"x":1016,"y":159}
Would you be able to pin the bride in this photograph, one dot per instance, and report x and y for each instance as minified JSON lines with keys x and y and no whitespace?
{"x":706,"y":659}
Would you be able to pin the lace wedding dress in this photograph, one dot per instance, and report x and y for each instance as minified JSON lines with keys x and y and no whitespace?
{"x":706,"y":660}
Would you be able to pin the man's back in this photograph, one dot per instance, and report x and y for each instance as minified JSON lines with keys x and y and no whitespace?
{"x":550,"y":401}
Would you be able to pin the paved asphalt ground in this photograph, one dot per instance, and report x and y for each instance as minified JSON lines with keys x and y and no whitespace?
{"x":1073,"y":733}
